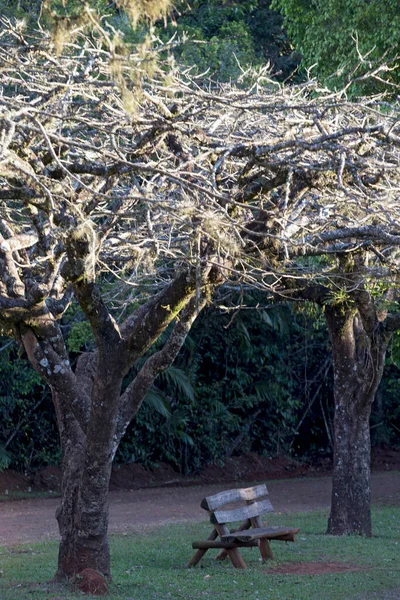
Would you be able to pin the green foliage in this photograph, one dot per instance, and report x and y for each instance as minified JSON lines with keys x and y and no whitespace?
{"x":28,"y":432}
{"x":219,"y":37}
{"x":73,"y":9}
{"x":240,"y":384}
{"x":155,"y":400}
{"x":179,"y":382}
{"x":250,"y":380}
{"x":229,"y":42}
{"x":385,"y":417}
{"x":333,"y":34}
{"x":28,"y":436}
{"x":395,"y":350}
{"x":225,"y":37}
{"x":5,"y":458}
{"x":160,"y":422}
{"x":21,"y":9}
{"x":222,"y":55}
{"x":80,"y":337}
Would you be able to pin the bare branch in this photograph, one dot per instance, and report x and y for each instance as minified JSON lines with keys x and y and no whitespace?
{"x":135,"y":393}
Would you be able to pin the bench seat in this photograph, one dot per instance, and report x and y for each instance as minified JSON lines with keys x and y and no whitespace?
{"x":257,"y":533}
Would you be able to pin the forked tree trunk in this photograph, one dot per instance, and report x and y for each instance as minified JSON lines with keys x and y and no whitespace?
{"x":358,"y":361}
{"x":92,"y":414}
{"x":89,"y":445}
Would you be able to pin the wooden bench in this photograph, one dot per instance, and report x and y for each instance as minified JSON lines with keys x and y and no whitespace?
{"x":251,"y":532}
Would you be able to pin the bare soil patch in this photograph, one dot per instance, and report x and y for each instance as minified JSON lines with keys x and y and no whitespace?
{"x":250,"y":467}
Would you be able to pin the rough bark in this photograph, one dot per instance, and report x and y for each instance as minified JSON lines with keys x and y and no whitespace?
{"x":73,"y":444}
{"x":92,"y":414}
{"x":86,"y":462}
{"x":358,"y":360}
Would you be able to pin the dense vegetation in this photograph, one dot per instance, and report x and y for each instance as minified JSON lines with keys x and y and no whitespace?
{"x":217,"y":38}
{"x":343,"y":38}
{"x":229,"y":390}
{"x":257,"y":380}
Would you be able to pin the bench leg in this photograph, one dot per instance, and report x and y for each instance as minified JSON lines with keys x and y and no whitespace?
{"x":197,"y":557}
{"x":224,"y":553}
{"x":263,"y":544}
{"x":200,"y":553}
{"x":236,"y":559}
{"x":265,"y":550}
{"x":233,"y":553}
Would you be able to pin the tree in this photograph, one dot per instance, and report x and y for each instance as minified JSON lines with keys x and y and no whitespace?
{"x":87,"y":194}
{"x":359,"y":342}
{"x":344,"y":38}
{"x":27,"y":432}
{"x":360,"y":328}
{"x":136,"y":191}
{"x":326,"y":173}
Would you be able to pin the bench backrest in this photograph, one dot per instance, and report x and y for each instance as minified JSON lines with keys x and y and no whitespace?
{"x":256,"y":504}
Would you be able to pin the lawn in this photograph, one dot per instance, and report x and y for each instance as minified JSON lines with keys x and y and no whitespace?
{"x":151,"y":566}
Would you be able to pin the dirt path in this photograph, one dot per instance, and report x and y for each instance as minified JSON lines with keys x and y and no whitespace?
{"x":130,"y":511}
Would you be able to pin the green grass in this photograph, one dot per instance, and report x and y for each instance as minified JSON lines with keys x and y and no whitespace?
{"x":151,"y":566}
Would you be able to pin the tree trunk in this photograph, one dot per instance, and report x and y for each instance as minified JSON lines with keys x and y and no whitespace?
{"x":87,"y":460}
{"x":83,"y":527}
{"x":358,"y":360}
{"x":92,"y":414}
{"x":351,"y":493}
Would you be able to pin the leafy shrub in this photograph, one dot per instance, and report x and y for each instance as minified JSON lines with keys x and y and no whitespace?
{"x":333,"y":34}
{"x":28,"y":435}
{"x":248,"y":381}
